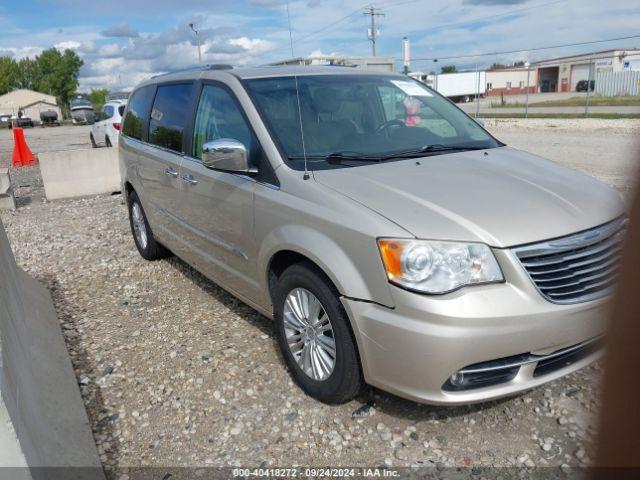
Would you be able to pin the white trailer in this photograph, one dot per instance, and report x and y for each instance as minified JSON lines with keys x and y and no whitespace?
{"x":459,"y":87}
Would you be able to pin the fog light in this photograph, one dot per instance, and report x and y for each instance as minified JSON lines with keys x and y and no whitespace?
{"x":457,"y":379}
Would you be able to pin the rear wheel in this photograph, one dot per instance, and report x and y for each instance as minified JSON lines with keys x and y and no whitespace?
{"x":143,"y":237}
{"x":93,"y":141}
{"x":314,"y":335}
{"x":107,"y":142}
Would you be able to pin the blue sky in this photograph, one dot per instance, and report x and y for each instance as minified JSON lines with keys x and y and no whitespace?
{"x":125,"y":41}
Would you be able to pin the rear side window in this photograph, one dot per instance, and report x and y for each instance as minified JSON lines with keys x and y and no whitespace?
{"x":137,"y":112}
{"x":121,"y":110}
{"x":169,"y":116}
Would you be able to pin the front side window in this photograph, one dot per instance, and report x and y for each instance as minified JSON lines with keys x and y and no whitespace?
{"x":360,"y":115}
{"x":169,"y":115}
{"x":108,"y":111}
{"x":137,"y":112}
{"x":218,"y":117}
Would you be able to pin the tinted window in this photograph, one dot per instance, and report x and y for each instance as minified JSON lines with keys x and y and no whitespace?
{"x":108,"y":110}
{"x":139,"y":106}
{"x":121,"y":110}
{"x":372,"y":115}
{"x":169,"y":116}
{"x":218,"y":117}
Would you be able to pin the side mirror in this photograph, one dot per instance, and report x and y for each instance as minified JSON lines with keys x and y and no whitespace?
{"x":226,"y":154}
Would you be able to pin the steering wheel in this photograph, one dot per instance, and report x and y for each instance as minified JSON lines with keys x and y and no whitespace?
{"x":388,"y":124}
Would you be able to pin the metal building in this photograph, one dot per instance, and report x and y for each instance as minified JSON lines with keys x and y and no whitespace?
{"x":30,"y":102}
{"x":563,"y":74}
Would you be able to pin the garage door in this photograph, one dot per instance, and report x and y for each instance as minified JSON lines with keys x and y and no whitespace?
{"x":579,"y":72}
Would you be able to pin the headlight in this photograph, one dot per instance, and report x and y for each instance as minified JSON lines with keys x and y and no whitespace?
{"x":438,"y":267}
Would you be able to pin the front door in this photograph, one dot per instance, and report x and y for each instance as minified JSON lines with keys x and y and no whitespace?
{"x":216,"y":206}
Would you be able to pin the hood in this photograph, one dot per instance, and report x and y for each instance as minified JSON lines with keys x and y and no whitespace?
{"x":502,"y":197}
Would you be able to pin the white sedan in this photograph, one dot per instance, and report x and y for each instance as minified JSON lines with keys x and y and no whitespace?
{"x":105,"y":130}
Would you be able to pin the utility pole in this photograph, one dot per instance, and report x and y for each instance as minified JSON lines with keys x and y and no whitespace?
{"x":373,"y":12}
{"x":526,"y":102}
{"x":586,"y":102}
{"x":477,"y":92}
{"x":197,"y":38}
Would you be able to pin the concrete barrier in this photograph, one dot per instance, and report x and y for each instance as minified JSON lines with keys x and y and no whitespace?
{"x":79,"y":173}
{"x":38,"y":384}
{"x":7,"y":201}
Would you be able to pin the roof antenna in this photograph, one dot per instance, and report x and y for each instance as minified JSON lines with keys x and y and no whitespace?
{"x":295,"y":77}
{"x":290,"y":34}
{"x":304,"y":149}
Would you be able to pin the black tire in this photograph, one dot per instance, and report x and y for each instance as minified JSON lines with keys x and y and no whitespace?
{"x":107,"y":142}
{"x":93,"y":141}
{"x":152,"y":250}
{"x":346,"y":380}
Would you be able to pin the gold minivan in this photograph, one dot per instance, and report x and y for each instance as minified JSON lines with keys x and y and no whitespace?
{"x":391,"y":238}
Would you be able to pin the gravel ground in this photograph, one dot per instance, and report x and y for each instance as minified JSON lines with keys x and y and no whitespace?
{"x":176,"y":372}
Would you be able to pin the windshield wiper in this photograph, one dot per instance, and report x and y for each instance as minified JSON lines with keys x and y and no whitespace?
{"x":423,"y":151}
{"x":339,"y":157}
{"x":349,"y":156}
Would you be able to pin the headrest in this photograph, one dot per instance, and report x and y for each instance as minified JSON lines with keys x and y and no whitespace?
{"x":326,"y":100}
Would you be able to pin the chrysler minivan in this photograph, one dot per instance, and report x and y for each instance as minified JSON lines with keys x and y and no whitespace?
{"x":393,"y":241}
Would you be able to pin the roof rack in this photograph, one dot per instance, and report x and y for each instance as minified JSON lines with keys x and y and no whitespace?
{"x":219,"y":66}
{"x":215,"y":66}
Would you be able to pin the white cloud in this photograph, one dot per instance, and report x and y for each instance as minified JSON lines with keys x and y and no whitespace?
{"x":22,"y":52}
{"x":69,"y":44}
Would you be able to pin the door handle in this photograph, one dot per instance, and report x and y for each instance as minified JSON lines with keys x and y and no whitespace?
{"x":190,"y":179}
{"x":170,"y":172}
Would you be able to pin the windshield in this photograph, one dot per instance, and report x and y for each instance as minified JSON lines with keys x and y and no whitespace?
{"x":360,"y":119}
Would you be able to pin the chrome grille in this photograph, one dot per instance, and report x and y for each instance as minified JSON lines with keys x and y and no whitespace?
{"x":577,"y":268}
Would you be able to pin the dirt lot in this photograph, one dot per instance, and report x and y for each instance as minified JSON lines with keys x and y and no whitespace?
{"x":176,"y":372}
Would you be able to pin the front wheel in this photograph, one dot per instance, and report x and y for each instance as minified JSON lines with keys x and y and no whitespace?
{"x":314,"y":335}
{"x":93,"y":141}
{"x":146,"y":244}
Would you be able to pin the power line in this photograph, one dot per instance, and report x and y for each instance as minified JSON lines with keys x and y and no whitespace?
{"x":388,"y":4}
{"x":330,"y":26}
{"x":480,"y":19}
{"x":549,"y":47}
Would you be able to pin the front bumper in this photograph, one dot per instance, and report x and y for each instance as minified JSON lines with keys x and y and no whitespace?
{"x":414,"y":348}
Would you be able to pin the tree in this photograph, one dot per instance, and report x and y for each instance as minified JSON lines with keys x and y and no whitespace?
{"x":29,"y":74}
{"x":497,"y":66}
{"x":50,"y":72}
{"x":59,"y":74}
{"x":519,"y":63}
{"x":8,"y":74}
{"x":98,"y":97}
{"x":449,"y":69}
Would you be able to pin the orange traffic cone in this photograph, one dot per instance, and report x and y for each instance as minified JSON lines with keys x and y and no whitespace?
{"x":22,"y":156}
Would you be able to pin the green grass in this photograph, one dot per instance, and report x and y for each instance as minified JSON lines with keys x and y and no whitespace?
{"x":606,"y":116}
{"x":577,"y":102}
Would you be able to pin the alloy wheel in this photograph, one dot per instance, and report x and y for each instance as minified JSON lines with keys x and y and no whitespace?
{"x":139,"y":225}
{"x":309,"y":334}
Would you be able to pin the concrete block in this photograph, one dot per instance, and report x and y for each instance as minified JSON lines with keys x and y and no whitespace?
{"x":79,"y":173}
{"x":7,"y":201}
{"x":38,"y":384}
